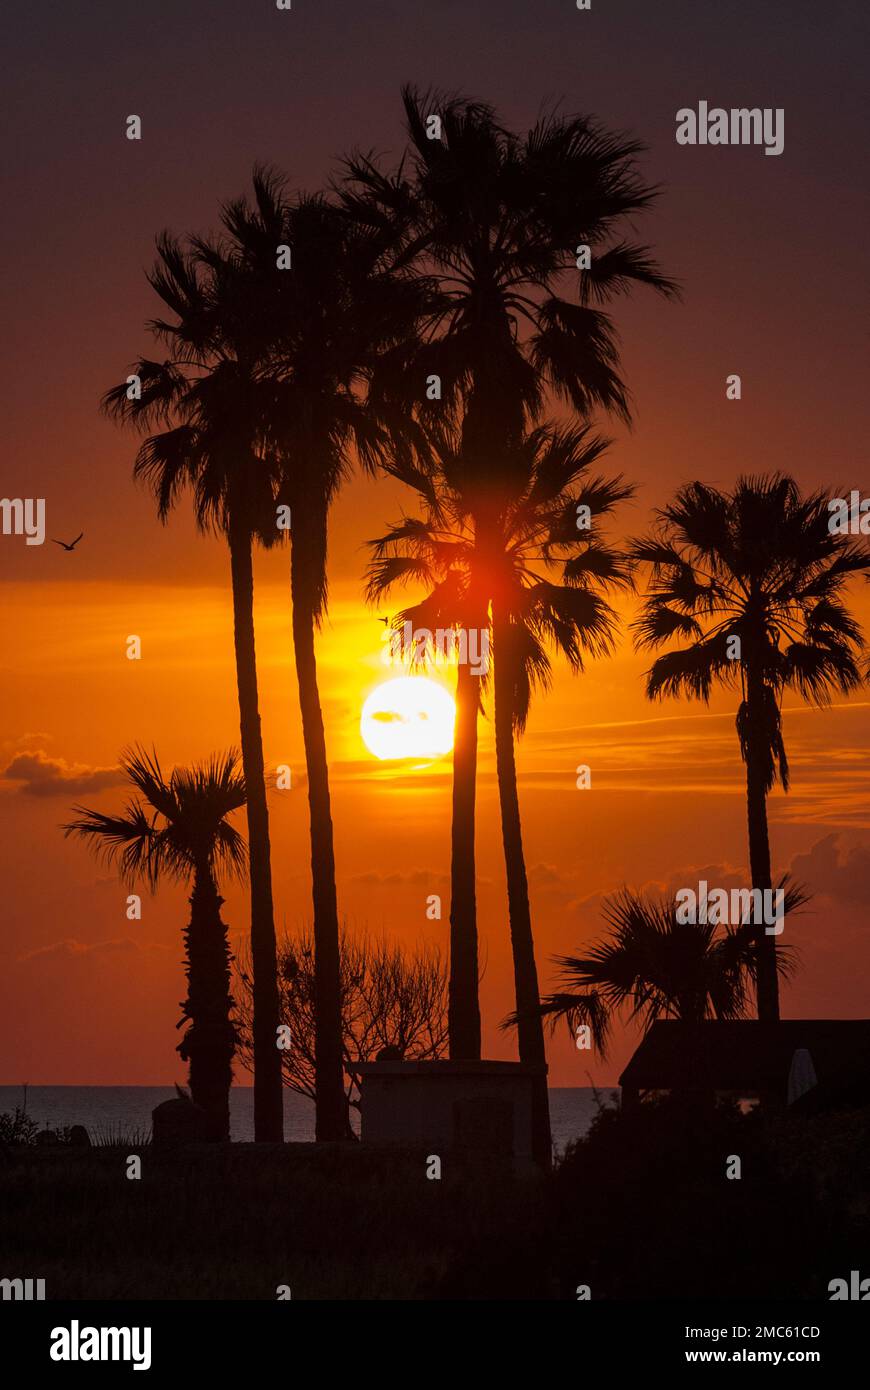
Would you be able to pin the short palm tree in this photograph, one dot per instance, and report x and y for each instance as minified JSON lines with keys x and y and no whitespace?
{"x":495,"y":221}
{"x":178,"y":829}
{"x":655,"y":966}
{"x":528,"y":612}
{"x":208,"y":400}
{"x":746,"y":590}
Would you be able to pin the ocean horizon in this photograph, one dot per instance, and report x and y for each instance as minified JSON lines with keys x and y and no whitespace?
{"x":105,"y":1109}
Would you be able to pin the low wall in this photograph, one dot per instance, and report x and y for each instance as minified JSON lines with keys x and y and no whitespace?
{"x":470,"y":1108}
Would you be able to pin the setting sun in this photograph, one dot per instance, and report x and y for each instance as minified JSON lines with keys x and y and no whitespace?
{"x":409,"y":717}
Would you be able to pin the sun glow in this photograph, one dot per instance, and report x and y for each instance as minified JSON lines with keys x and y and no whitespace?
{"x":409,"y":717}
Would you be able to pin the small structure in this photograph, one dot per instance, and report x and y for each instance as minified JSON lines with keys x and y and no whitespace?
{"x":478,"y":1111}
{"x":806,"y":1063}
{"x":179,"y":1121}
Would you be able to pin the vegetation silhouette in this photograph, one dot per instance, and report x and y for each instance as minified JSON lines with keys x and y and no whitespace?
{"x":177,"y":828}
{"x":495,"y":219}
{"x":750,"y":582}
{"x":651,"y":966}
{"x":210,"y":397}
{"x":526,"y":613}
{"x":484,"y":262}
{"x":393,"y":999}
{"x":323,"y":328}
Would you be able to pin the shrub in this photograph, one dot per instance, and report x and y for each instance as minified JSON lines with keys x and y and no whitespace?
{"x":16,"y":1127}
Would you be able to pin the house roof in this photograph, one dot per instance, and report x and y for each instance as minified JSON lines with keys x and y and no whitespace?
{"x":748,"y":1055}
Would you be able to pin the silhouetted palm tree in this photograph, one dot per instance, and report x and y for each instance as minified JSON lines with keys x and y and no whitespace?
{"x":179,"y":830}
{"x":496,"y":221}
{"x":656,"y":966}
{"x":325,"y":325}
{"x":537,"y":531}
{"x":210,"y":397}
{"x":438,"y":551}
{"x":751,"y":582}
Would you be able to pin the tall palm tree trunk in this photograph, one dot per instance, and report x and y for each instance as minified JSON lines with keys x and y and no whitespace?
{"x":463,"y":1009}
{"x":331,"y":1121}
{"x":530,"y":1029}
{"x":767,"y":988}
{"x":268,"y":1092}
{"x":210,"y":1042}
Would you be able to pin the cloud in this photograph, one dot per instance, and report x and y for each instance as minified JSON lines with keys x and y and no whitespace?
{"x":414,"y":877}
{"x":826,"y":870}
{"x":822,"y":869}
{"x":71,"y":949}
{"x":546,"y":874}
{"x":41,"y":775}
{"x":29,"y":742}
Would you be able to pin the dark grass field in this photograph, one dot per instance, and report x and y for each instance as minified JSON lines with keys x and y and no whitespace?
{"x":238,"y":1221}
{"x":640,"y":1209}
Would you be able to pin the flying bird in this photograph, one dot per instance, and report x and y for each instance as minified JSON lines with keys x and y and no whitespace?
{"x":72,"y":545}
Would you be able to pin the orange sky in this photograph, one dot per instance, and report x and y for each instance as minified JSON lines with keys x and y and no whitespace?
{"x":87,"y":996}
{"x":765,"y":250}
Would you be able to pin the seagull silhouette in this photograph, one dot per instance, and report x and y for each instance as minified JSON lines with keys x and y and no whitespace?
{"x":72,"y":545}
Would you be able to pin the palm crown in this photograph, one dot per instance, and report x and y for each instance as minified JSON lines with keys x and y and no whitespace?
{"x":758,"y":564}
{"x":321,"y":330}
{"x":537,"y":532}
{"x":210,"y":395}
{"x":656,"y":966}
{"x":177,"y":827}
{"x":495,"y":219}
